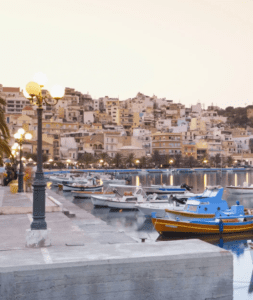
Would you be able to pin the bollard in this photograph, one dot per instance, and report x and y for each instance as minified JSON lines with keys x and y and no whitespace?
{"x":143,"y":239}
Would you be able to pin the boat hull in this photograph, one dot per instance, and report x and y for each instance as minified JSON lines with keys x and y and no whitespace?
{"x":239,"y":190}
{"x":147,"y":209}
{"x":110,"y":202}
{"x":88,"y":194}
{"x":164,"y":226}
{"x":185,"y":216}
{"x":114,"y":181}
{"x":67,"y":187}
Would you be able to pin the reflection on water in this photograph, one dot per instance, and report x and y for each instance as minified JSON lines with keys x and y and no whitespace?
{"x":236,"y":243}
{"x":171,"y":179}
{"x":205,"y":180}
{"x":135,"y":224}
{"x":137,"y":180}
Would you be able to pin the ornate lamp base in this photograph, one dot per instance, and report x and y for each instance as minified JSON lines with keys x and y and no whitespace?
{"x":38,"y":238}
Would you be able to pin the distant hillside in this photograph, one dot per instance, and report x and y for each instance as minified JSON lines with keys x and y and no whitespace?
{"x":237,"y":116}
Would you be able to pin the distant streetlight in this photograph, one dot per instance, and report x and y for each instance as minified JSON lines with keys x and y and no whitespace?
{"x":20,"y":137}
{"x":68,"y":162}
{"x":205,"y":161}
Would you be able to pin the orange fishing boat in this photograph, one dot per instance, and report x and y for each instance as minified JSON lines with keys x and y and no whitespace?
{"x":233,"y":220}
{"x":216,"y":226}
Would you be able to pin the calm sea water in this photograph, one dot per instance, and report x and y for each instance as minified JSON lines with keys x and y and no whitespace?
{"x":137,"y":226}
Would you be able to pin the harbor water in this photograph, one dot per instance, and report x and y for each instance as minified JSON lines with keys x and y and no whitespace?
{"x":134,"y":224}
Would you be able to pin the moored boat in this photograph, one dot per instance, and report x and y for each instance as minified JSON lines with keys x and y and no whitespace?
{"x":203,"y":227}
{"x":204,"y":206}
{"x":245,"y":189}
{"x":159,"y":208}
{"x":125,"y":201}
{"x":233,"y":220}
{"x":88,"y":194}
{"x":89,"y":186}
{"x":166,"y":189}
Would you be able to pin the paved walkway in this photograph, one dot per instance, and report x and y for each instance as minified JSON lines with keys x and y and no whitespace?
{"x":21,"y":203}
{"x":67,"y":234}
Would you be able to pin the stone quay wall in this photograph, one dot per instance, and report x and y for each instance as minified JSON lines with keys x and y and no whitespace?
{"x":175,"y":270}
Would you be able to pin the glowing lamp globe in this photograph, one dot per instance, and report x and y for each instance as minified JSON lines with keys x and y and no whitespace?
{"x":40,"y":78}
{"x":17,"y":135}
{"x":33,"y":88}
{"x":26,"y":95}
{"x":28,"y":136}
{"x":21,"y":131}
{"x":57,"y":91}
{"x":15,"y":146}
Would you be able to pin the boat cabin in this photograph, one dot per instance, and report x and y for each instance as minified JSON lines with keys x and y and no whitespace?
{"x":209,"y":202}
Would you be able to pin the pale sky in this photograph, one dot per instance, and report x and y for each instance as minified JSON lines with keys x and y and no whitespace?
{"x":184,"y":50}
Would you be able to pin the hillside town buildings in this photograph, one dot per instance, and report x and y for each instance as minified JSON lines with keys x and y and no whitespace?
{"x":141,"y":125}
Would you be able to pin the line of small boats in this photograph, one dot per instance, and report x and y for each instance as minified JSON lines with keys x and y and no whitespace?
{"x":173,"y":209}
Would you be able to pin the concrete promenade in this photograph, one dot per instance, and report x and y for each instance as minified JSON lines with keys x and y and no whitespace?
{"x":89,"y":259}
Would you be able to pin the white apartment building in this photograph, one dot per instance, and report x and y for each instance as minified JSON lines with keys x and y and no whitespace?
{"x":112,"y":143}
{"x":196,"y":108}
{"x":144,"y":136}
{"x":15,"y":100}
{"x":113,"y":111}
{"x":163,"y":124}
{"x":96,"y":104}
{"x":88,"y":117}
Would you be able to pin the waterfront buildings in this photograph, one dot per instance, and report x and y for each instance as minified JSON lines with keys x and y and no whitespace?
{"x":141,"y":125}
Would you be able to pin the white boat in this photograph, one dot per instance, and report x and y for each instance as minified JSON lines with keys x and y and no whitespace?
{"x":175,"y":202}
{"x":143,"y":171}
{"x":183,"y":197}
{"x":68,"y":178}
{"x":125,"y":201}
{"x":110,"y":179}
{"x":245,"y":189}
{"x":108,"y":192}
{"x":169,"y":171}
{"x":89,"y":194}
{"x":147,"y":208}
{"x":90,"y":185}
{"x":166,"y":189}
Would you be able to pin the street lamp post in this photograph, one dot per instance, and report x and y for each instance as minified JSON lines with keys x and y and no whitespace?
{"x":20,"y":137}
{"x":34,"y":91}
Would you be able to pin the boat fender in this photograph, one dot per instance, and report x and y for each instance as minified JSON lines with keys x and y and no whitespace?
{"x":153,"y":215}
{"x":221,"y":226}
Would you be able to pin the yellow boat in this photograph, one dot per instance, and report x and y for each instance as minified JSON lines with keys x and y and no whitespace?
{"x":215,"y":226}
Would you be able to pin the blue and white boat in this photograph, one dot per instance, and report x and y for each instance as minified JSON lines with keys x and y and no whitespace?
{"x":204,"y":206}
